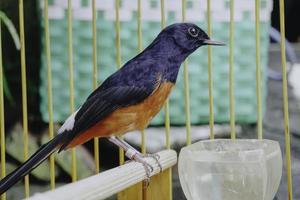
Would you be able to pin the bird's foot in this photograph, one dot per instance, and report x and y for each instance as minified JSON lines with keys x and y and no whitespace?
{"x":141,"y":158}
{"x":148,"y":168}
{"x":156,"y":157}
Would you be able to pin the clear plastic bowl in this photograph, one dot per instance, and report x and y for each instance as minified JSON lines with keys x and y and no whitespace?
{"x":226,"y":169}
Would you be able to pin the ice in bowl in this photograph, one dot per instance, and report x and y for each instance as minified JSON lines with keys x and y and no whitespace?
{"x":226,"y":169}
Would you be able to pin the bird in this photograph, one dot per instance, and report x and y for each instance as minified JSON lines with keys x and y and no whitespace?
{"x":126,"y":101}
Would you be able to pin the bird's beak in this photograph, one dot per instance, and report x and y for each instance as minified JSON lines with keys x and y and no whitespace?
{"x":212,"y":42}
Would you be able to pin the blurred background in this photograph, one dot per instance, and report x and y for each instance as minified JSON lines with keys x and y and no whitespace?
{"x":244,"y":64}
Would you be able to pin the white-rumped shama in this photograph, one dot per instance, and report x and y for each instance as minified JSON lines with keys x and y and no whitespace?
{"x":126,"y":101}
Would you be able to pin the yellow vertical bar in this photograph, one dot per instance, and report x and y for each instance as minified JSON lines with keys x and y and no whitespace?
{"x":167,"y":124}
{"x":258,"y":68}
{"x":285,"y":103}
{"x":158,"y":187}
{"x":96,"y":140}
{"x":143,"y":141}
{"x":140,"y":46}
{"x":118,"y":33}
{"x":186,"y":87}
{"x":167,"y":110}
{"x":71,"y":76}
{"x":163,"y":16}
{"x":167,"y":114}
{"x":135,"y":191}
{"x":139,"y":25}
{"x":50,"y":104}
{"x":24,"y":92}
{"x":118,"y":57}
{"x":231,"y":71}
{"x":2,"y":124}
{"x":210,"y":76}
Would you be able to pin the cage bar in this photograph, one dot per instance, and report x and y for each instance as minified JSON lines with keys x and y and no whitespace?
{"x":2,"y":120}
{"x":24,"y":90}
{"x":140,"y":48}
{"x":231,"y":72}
{"x":95,"y":75}
{"x":118,"y":56}
{"x":168,"y":177}
{"x":285,"y":103}
{"x":258,"y":69}
{"x":49,"y":79}
{"x":71,"y":75}
{"x":210,"y":75}
{"x":186,"y":87}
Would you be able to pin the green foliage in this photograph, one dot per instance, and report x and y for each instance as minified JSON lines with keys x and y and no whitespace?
{"x":15,"y":149}
{"x":12,"y":30}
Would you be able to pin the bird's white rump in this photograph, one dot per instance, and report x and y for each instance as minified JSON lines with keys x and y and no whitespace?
{"x":69,"y":123}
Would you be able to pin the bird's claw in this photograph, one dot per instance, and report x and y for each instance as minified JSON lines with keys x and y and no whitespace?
{"x":138,"y":157}
{"x":147,"y":166}
{"x":149,"y":170}
{"x":156,"y":157}
{"x":141,"y":159}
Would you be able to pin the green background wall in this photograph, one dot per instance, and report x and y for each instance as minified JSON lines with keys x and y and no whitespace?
{"x":244,"y":60}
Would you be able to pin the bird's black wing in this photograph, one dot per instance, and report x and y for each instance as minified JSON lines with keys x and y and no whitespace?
{"x":101,"y":105}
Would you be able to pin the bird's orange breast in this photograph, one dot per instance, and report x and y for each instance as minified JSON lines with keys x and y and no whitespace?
{"x":123,"y":120}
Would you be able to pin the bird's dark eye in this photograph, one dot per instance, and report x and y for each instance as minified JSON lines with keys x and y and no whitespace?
{"x":193,"y":32}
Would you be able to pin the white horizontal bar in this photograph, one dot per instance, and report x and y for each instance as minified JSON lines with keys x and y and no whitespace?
{"x":110,"y":182}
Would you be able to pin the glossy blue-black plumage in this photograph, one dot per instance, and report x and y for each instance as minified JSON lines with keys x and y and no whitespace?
{"x":162,"y":57}
{"x":131,"y":85}
{"x":138,"y":78}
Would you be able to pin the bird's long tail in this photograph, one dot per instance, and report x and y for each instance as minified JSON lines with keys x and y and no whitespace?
{"x":35,"y":160}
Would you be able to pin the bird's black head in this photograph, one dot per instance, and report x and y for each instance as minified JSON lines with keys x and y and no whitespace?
{"x":188,"y":36}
